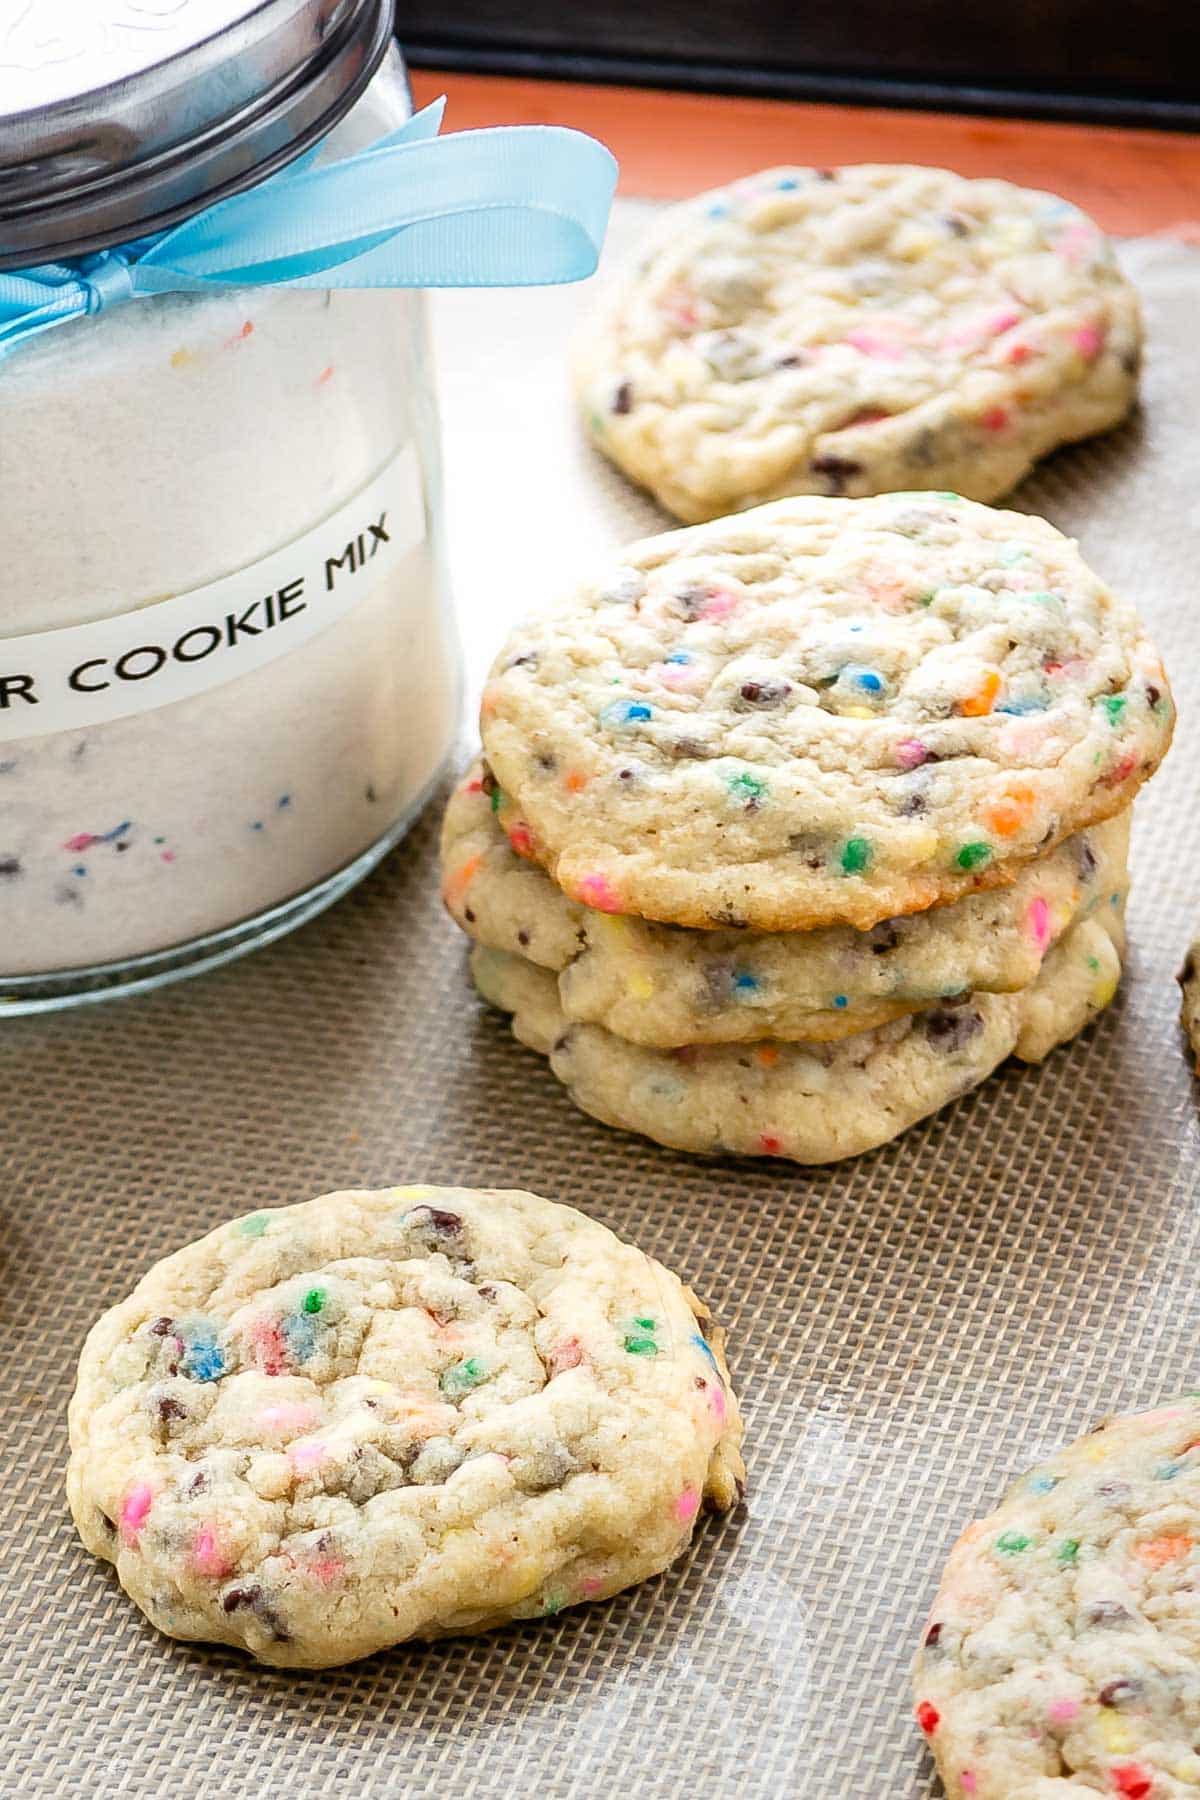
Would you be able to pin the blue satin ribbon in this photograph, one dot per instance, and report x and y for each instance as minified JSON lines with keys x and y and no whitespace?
{"x":516,"y":206}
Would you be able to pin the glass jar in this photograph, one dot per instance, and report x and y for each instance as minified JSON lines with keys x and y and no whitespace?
{"x":224,"y":507}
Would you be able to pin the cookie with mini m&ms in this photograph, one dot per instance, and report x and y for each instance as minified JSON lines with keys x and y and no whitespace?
{"x":328,"y":1428}
{"x":666,"y":987}
{"x":822,"y":712}
{"x":1060,"y":1656}
{"x":853,"y":331}
{"x":808,"y":1102}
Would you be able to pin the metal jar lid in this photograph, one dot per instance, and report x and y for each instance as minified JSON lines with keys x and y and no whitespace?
{"x":120,"y":117}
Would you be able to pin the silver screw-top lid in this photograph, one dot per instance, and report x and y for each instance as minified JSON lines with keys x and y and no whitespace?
{"x":120,"y":117}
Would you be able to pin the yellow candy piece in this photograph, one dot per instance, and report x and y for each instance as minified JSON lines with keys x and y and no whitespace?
{"x":640,"y":987}
{"x":857,"y":712}
{"x":921,"y":846}
{"x":1115,"y":1734}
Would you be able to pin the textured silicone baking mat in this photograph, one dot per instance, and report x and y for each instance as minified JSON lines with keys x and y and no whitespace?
{"x":907,"y":1330}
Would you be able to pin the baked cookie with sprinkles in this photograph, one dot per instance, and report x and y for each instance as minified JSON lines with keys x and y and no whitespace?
{"x":331,"y":1427}
{"x":822,"y":712}
{"x":666,"y":986}
{"x":856,"y":330}
{"x":1061,"y":1652}
{"x":808,"y":1102}
{"x":1189,"y":1005}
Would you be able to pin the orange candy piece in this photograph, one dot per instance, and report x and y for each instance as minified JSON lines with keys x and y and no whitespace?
{"x":1158,"y":1551}
{"x":575,"y":781}
{"x":1008,"y":814}
{"x":459,"y":880}
{"x":983,"y":699}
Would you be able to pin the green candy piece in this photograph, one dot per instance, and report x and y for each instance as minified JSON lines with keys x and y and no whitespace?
{"x":745,"y":786}
{"x":1068,"y":1551}
{"x":855,"y":855}
{"x":1012,"y":1542}
{"x":254,"y":1226}
{"x":641,"y":1346}
{"x":1114,"y":706}
{"x":973,"y":856}
{"x":462,"y":1377}
{"x":313,"y":1301}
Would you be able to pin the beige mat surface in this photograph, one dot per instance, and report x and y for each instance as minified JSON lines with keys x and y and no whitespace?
{"x":907,"y":1330}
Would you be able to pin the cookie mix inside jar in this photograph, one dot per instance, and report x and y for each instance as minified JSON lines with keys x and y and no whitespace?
{"x":228,"y":670}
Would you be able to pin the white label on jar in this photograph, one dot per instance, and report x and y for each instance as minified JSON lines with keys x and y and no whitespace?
{"x":87,"y":674}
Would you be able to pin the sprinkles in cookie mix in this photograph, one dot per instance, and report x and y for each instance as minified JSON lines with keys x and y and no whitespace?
{"x":1060,"y":1655}
{"x":376,"y":1416}
{"x":1019,"y":701}
{"x":857,"y":330}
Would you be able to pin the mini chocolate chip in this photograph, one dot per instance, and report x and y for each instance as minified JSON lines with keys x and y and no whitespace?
{"x":468,"y":915}
{"x":169,"y":1408}
{"x":446,"y":1224}
{"x":699,"y":1382}
{"x":1085,"y":860}
{"x":765,"y":693}
{"x":1131,"y":359}
{"x":955,"y":224}
{"x":1153,"y":694}
{"x":933,"y":1635}
{"x":546,"y":761}
{"x":951,"y":1030}
{"x":108,"y":1524}
{"x":837,"y":470}
{"x":626,"y":775}
{"x":487,"y":781}
{"x":623,"y":398}
{"x":239,"y":1596}
{"x":487,"y":1291}
{"x":913,"y":804}
{"x":686,"y":746}
{"x":883,"y":937}
{"x":199,"y":1482}
{"x":526,"y":660}
{"x":10,"y":867}
{"x":1108,"y":1615}
{"x":561,"y":1043}
{"x":690,"y":600}
{"x":522,"y":937}
{"x":162,"y":1326}
{"x":825,"y":174}
{"x":1116,"y":1693}
{"x":796,"y":360}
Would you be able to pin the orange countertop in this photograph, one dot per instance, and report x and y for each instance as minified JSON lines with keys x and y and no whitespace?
{"x":1133,"y":182}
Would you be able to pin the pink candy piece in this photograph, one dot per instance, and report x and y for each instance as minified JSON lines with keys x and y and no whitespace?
{"x":1063,"y":1711}
{"x":910,"y":753}
{"x":1089,"y":341}
{"x":206,"y":1555}
{"x":716,"y":1399}
{"x":967,"y":1782}
{"x":687,"y":1505}
{"x":718,"y":605}
{"x":83,"y":840}
{"x":308,"y":1456}
{"x":289,"y":1416}
{"x":869,"y":343}
{"x":135,"y":1511}
{"x":596,"y":890}
{"x":327,"y":1569}
{"x":590,"y":1586}
{"x":1037,"y":922}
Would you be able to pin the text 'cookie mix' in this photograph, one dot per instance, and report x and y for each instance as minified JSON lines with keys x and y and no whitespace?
{"x":855,"y":330}
{"x":1060,"y":1656}
{"x":791,"y":827}
{"x":328,"y":1428}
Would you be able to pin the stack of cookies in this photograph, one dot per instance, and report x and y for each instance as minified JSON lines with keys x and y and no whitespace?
{"x":791,"y":827}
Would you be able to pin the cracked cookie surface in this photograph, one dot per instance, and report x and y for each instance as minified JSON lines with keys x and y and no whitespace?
{"x":812,"y":1103}
{"x":822,"y":712}
{"x":1060,"y":1654}
{"x":853,"y":331}
{"x":667,"y":986}
{"x":331,"y":1427}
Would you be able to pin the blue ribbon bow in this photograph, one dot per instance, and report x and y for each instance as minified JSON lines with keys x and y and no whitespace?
{"x":515,"y":206}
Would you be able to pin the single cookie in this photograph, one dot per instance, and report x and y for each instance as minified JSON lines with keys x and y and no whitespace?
{"x":823,"y":712}
{"x":667,"y":986}
{"x":325,"y":1429}
{"x":1189,"y":1005}
{"x":856,"y":330}
{"x":1061,"y":1652}
{"x":812,"y":1103}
